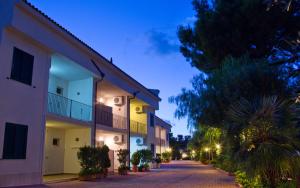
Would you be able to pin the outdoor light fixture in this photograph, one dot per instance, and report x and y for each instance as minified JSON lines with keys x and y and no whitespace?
{"x":100,"y":100}
{"x":206,"y":149}
{"x":168,"y":149}
{"x":218,"y":146}
{"x":100,"y":139}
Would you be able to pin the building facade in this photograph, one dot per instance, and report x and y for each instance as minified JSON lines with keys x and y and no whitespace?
{"x":58,"y":94}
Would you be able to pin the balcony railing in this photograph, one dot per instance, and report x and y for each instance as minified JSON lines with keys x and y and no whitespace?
{"x":63,"y":106}
{"x":138,"y":128}
{"x":111,"y":120}
{"x":159,"y":141}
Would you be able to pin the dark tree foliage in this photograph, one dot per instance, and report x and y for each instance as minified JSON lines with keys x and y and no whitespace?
{"x":237,"y":27}
{"x":238,"y":78}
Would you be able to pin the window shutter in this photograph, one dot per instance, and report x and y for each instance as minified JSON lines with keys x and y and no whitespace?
{"x":21,"y":142}
{"x":15,"y":141}
{"x":9,"y":141}
{"x":22,"y":67}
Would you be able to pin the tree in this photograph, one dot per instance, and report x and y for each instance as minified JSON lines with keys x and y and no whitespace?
{"x":269,"y":144}
{"x":234,"y":28}
{"x":207,"y":103}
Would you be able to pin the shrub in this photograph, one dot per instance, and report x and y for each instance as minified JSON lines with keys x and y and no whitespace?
{"x":89,"y":161}
{"x":93,"y":160}
{"x":146,"y":156}
{"x":157,"y":159}
{"x":166,"y":157}
{"x":105,"y":163}
{"x":122,"y":158}
{"x":135,"y":158}
{"x":241,"y":178}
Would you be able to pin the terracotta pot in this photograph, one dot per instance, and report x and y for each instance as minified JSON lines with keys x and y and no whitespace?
{"x":105,"y":172}
{"x":134,"y":168}
{"x":123,"y":172}
{"x":99,"y":176}
{"x":86,"y":178}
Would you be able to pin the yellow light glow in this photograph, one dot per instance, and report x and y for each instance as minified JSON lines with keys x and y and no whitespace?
{"x":184,"y":155}
{"x":169,"y":149}
{"x":100,"y":100}
{"x":193,"y":151}
{"x":100,"y":139}
{"x":206,"y":149}
{"x":218,"y":146}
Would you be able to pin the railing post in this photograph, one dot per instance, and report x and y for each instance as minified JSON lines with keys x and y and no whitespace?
{"x":70,"y":108}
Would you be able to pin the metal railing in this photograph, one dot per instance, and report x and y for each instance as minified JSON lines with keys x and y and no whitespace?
{"x":63,"y":106}
{"x":138,"y":128}
{"x":111,"y":120}
{"x":160,"y":141}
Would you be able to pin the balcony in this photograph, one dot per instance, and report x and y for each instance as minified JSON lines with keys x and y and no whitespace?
{"x":63,"y":106}
{"x":104,"y":116}
{"x":138,"y":128}
{"x":159,"y":141}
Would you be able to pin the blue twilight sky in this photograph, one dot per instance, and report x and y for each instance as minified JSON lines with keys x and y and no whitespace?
{"x":140,"y":36}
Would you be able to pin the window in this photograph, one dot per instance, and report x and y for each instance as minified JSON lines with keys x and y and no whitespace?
{"x":59,"y":90}
{"x":151,"y":120}
{"x":55,"y":142}
{"x":15,"y":141}
{"x":22,"y":66}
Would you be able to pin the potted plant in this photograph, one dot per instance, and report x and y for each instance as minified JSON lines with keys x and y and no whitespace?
{"x":94,"y":162}
{"x":104,"y":159}
{"x":122,"y":158}
{"x":146,"y":158}
{"x":166,"y":157}
{"x":157,"y":161}
{"x":135,"y":161}
{"x":88,"y":162}
{"x":141,"y":168}
{"x":123,"y":170}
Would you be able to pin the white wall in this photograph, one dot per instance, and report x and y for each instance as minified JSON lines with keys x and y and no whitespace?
{"x":55,"y":82}
{"x":81,"y":91}
{"x":117,"y":110}
{"x":26,"y":105}
{"x":54,"y":155}
{"x":63,"y":158}
{"x":108,"y":139}
{"x":71,"y":163}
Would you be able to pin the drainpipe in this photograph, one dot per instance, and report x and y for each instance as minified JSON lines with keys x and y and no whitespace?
{"x":134,"y":94}
{"x":95,"y":102}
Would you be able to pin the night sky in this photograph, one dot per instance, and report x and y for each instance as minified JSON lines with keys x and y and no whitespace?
{"x":140,"y":36}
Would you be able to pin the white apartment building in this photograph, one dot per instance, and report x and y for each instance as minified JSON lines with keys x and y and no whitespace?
{"x":58,"y":94}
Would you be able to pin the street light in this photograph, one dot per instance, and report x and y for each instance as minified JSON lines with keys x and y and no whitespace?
{"x":218,"y":146}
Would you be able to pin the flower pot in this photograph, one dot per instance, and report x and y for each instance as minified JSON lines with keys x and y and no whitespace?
{"x":134,"y":168}
{"x":86,"y":178}
{"x":123,"y":172}
{"x":99,"y":176}
{"x":105,"y":172}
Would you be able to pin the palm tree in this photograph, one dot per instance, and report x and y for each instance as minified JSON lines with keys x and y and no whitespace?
{"x":269,"y":145}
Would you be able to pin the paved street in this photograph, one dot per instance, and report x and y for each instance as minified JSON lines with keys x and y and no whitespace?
{"x":183,"y":174}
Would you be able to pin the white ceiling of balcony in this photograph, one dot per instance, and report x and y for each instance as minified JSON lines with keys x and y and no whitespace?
{"x":106,"y":89}
{"x":66,"y":69}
